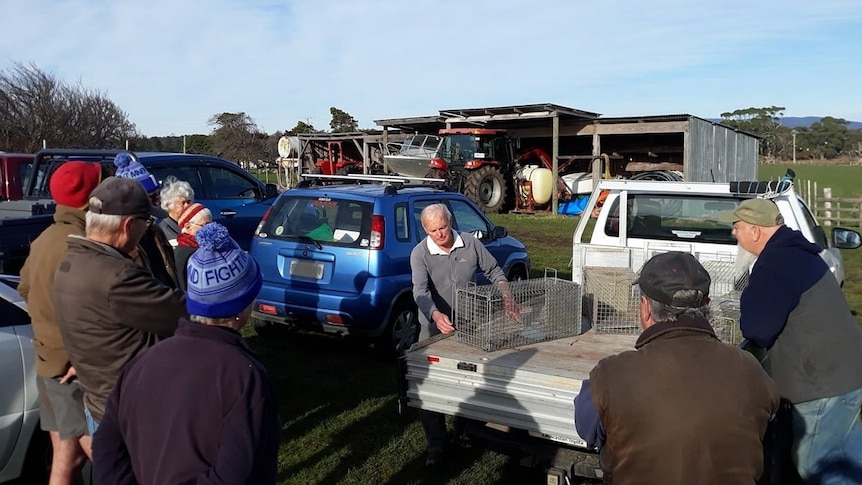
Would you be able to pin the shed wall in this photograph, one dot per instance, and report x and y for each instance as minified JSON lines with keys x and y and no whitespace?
{"x":719,"y":153}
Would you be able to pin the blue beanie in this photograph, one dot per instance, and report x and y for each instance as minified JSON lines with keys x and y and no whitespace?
{"x":132,"y":169}
{"x":222,"y":279}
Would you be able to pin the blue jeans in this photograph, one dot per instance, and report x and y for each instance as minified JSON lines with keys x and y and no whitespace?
{"x":827,"y":443}
{"x":92,"y":424}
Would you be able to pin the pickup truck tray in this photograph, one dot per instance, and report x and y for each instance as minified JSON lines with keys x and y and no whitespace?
{"x":530,"y":387}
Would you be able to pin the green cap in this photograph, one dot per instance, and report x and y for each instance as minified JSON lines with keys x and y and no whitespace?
{"x":760,"y":212}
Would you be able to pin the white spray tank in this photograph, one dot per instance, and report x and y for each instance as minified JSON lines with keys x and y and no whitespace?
{"x":541,"y":182}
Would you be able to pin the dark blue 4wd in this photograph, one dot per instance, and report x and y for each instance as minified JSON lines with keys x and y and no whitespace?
{"x":337,"y":257}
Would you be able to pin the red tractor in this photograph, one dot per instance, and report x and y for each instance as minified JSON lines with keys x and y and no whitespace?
{"x":335,"y":162}
{"x":477,"y":161}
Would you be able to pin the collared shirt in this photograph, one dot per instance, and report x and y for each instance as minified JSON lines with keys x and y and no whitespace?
{"x":433,"y":248}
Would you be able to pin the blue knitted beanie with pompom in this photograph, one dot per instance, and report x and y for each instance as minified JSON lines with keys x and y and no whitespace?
{"x":222,"y":279}
{"x":129,"y":168}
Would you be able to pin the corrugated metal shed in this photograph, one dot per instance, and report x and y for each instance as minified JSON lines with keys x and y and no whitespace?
{"x":702,"y":150}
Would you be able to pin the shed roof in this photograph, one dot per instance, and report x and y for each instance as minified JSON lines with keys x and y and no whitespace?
{"x":488,"y":117}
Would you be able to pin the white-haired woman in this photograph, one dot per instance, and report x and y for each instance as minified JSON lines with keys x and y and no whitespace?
{"x":175,"y":196}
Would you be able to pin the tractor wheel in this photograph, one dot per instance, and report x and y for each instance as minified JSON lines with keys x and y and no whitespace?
{"x":487,"y":188}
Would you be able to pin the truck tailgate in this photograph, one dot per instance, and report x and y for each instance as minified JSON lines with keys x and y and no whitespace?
{"x":531,"y":387}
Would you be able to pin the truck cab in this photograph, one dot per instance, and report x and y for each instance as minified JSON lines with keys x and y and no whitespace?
{"x":656,"y":216}
{"x":14,"y":168}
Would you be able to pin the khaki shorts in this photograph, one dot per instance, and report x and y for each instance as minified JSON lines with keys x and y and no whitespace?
{"x":61,"y":407}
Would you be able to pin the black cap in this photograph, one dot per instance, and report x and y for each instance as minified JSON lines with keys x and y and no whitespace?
{"x":667,"y":273}
{"x":122,"y":197}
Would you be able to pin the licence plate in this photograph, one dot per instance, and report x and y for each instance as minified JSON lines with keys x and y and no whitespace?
{"x":306,"y":269}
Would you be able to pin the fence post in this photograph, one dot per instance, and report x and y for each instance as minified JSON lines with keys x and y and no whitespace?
{"x":827,"y":205}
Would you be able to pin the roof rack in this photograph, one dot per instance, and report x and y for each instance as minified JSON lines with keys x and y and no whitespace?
{"x":767,"y":189}
{"x":396,"y":181}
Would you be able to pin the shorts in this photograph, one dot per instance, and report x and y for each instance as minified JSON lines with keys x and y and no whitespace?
{"x":61,"y":407}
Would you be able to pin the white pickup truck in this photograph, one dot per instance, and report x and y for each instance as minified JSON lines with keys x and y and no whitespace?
{"x":521,"y":398}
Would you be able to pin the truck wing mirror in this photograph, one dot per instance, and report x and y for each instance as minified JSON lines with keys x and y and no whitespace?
{"x":500,"y":232}
{"x":271,"y":191}
{"x":845,"y":238}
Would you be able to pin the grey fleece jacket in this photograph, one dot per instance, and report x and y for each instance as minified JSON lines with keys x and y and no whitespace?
{"x":436,"y":276}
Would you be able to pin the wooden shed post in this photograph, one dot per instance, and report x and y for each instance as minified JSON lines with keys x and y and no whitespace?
{"x":597,"y":156}
{"x":555,"y":161}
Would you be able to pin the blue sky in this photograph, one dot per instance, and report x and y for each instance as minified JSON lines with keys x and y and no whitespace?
{"x":172,"y":64}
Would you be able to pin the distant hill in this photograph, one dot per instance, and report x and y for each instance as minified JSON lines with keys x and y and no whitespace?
{"x":805,"y":122}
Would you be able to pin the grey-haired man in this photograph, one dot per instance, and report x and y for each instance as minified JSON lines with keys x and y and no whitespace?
{"x":683,"y":407}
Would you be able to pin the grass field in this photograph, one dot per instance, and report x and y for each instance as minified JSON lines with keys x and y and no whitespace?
{"x":339,"y":403}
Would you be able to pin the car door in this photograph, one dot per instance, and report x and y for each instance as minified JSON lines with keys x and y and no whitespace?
{"x":233,"y":196}
{"x":14,"y":385}
{"x":235,"y":199}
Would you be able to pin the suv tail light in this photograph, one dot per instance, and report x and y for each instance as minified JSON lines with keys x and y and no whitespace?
{"x":260,"y":225}
{"x":378,"y":232}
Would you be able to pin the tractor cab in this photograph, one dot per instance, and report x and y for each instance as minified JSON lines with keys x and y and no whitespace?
{"x":471,"y":148}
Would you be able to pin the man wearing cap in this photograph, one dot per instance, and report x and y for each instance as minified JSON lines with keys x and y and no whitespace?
{"x":61,"y":401}
{"x":683,"y":407}
{"x":154,"y":250}
{"x":794,"y":309}
{"x":198,"y":407}
{"x":109,"y":308}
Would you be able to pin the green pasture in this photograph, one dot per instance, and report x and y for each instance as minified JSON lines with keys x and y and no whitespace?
{"x":339,"y":403}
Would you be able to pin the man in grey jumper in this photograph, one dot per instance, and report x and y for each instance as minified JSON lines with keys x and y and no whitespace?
{"x":440,"y":263}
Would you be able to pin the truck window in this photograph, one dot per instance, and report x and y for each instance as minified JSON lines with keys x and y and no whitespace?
{"x":674,"y":218}
{"x":229,"y":185}
{"x":817,"y":231}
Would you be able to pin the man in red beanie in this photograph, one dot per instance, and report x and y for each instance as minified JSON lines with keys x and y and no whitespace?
{"x":61,"y":401}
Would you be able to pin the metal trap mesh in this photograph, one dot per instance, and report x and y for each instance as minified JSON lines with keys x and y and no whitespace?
{"x":544,"y":309}
{"x":612,"y":301}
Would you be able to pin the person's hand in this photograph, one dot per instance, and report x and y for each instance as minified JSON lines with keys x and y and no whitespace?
{"x":70,"y":374}
{"x":442,"y":322}
{"x":510,"y":308}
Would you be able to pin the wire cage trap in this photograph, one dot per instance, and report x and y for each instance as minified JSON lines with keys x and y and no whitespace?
{"x":612,"y":302}
{"x":540,"y":309}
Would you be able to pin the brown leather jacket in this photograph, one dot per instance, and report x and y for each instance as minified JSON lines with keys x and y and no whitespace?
{"x":155,"y":253}
{"x":109,"y":308}
{"x":37,"y":289}
{"x":683,"y":408}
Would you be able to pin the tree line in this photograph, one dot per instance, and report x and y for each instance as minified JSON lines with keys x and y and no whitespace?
{"x":36,"y":107}
{"x":826,"y":139}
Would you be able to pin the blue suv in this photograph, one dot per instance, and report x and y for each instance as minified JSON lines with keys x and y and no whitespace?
{"x":336,"y":258}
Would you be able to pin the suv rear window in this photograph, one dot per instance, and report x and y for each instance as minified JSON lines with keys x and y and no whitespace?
{"x":330,"y":221}
{"x":674,"y":218}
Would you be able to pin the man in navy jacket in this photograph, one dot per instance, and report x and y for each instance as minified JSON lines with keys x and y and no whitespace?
{"x":794,"y":308}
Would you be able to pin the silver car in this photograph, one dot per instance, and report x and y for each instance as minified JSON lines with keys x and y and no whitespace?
{"x":23,"y":446}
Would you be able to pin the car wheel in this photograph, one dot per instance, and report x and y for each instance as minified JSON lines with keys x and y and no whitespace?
{"x":402,"y":330}
{"x":517,"y":274}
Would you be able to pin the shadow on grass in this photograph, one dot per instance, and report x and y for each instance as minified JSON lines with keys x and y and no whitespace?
{"x":338,"y":405}
{"x":321,"y":381}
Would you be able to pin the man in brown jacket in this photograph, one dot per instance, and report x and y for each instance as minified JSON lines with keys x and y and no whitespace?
{"x":61,"y":401}
{"x":109,"y":308}
{"x":684,"y":407}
